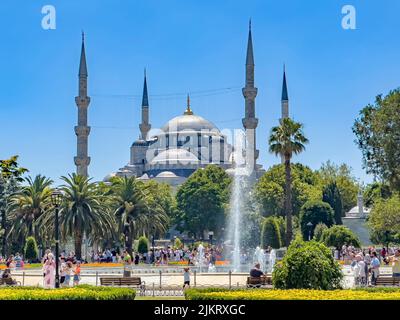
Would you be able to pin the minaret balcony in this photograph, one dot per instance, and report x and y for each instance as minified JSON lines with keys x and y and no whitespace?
{"x":82,"y":130}
{"x":250,"y":123}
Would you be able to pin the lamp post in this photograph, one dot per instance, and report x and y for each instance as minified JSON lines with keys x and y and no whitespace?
{"x":309,"y":226}
{"x":210,"y":236}
{"x":56,"y":200}
{"x":153,"y":245}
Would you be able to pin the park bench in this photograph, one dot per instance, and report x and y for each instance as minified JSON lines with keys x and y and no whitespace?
{"x":256,"y":282}
{"x":387,"y":281}
{"x":124,"y":282}
{"x":9,"y":282}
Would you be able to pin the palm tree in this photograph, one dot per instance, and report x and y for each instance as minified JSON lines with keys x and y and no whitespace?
{"x":285,"y":140}
{"x":82,"y":212}
{"x":136,"y":212}
{"x":28,"y":205}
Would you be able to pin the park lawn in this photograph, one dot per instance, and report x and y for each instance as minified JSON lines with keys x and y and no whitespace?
{"x":293,"y":294}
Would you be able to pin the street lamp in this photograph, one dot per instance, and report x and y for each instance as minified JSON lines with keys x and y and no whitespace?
{"x":153,"y":245}
{"x":309,"y":226}
{"x":210,"y":236}
{"x":56,"y":200}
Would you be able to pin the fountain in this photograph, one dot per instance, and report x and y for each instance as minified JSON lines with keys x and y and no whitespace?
{"x":271,"y":260}
{"x":238,"y":199}
{"x":200,"y":257}
{"x":260,"y":257}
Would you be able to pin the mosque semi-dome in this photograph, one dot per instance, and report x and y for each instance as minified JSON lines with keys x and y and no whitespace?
{"x":175,"y":155}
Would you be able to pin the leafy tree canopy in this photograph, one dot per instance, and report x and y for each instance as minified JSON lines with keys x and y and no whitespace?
{"x":377,"y":133}
{"x":270,"y":188}
{"x":337,"y":236}
{"x":202,"y":199}
{"x":315,"y":212}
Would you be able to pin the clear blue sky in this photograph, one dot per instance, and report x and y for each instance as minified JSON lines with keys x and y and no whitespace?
{"x":189,"y":46}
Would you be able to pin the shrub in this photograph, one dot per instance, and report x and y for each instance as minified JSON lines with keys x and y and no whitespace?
{"x":307,"y":265}
{"x":315,"y":212}
{"x":31,"y":251}
{"x":143,"y":245}
{"x":319,"y":229}
{"x":294,"y":294}
{"x":82,"y":292}
{"x":271,"y":233}
{"x":178,"y":243}
{"x":337,"y":236}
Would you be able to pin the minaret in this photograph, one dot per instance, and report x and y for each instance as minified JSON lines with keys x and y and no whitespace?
{"x":250,"y":121}
{"x":82,"y":130}
{"x":145,"y":126}
{"x":284,"y":102}
{"x":285,"y":98}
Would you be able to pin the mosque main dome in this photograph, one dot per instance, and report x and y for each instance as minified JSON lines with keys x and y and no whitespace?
{"x":188,"y":122}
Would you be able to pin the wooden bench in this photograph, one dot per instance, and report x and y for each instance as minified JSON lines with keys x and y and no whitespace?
{"x":256,"y":282}
{"x":9,"y":282}
{"x":124,"y":282}
{"x":387,"y":281}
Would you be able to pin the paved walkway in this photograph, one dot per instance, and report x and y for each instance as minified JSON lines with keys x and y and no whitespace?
{"x":35,"y":277}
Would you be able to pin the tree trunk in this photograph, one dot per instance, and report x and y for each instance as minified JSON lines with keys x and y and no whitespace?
{"x":128,"y":242}
{"x":78,"y":245}
{"x":288,"y":200}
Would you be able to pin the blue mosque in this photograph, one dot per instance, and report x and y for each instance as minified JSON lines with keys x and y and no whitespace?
{"x":185,"y":143}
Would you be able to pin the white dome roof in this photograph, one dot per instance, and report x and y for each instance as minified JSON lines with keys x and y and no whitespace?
{"x":188,"y":122}
{"x":166,"y":174}
{"x":177,"y":155}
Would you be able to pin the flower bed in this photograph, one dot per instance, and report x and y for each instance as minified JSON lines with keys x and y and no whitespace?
{"x":83,"y":292}
{"x":273,"y":294}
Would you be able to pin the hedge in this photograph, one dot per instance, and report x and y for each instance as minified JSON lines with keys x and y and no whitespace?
{"x":82,"y":292}
{"x":294,"y":294}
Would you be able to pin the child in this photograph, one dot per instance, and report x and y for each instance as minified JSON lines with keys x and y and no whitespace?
{"x":77,"y":273}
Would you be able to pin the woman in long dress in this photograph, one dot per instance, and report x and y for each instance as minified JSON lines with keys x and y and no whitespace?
{"x":49,"y":270}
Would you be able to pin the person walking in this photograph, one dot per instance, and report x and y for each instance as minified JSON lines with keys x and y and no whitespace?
{"x":395,"y":261}
{"x":127,"y":264}
{"x":375,"y":264}
{"x":186,"y":278}
{"x":49,"y":269}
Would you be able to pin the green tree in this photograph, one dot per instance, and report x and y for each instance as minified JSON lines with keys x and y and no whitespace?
{"x":178,"y":243}
{"x":378,"y":134}
{"x":269,"y":190}
{"x":10,"y":178}
{"x":28,"y":205}
{"x":337,"y":236}
{"x":286,"y":140}
{"x":331,"y":195}
{"x":307,"y":265}
{"x":143,"y":245}
{"x":202,"y":200}
{"x":31,"y":251}
{"x":315,"y":212}
{"x":376,"y":191}
{"x":319,"y":230}
{"x":131,"y":208}
{"x":81,"y":213}
{"x":345,"y":182}
{"x":271,"y":233}
{"x":384,"y":219}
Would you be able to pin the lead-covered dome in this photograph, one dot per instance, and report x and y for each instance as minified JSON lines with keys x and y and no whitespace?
{"x":188,"y":122}
{"x":175,"y":155}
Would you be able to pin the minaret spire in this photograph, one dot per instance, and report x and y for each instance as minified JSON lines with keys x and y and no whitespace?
{"x":145,"y":126}
{"x":250,"y":121}
{"x":284,"y":102}
{"x":82,"y":130}
{"x":285,"y":97}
